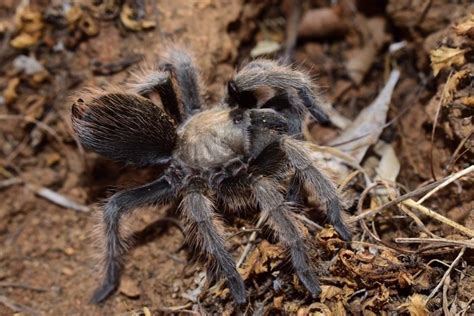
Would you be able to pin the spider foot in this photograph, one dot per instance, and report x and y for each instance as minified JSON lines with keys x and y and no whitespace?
{"x":103,"y":292}
{"x":310,"y":282}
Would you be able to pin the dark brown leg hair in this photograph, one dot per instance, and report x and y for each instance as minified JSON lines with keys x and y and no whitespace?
{"x":186,"y":75}
{"x":159,"y":81}
{"x":120,"y":204}
{"x":289,"y":230}
{"x":261,"y":73}
{"x":316,"y":183}
{"x":176,"y":79}
{"x":202,"y":231}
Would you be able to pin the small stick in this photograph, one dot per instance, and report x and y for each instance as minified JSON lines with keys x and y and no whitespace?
{"x":252,"y":238}
{"x":446,"y":274}
{"x":40,"y":124}
{"x":57,"y":198}
{"x":448,"y":180}
{"x":439,"y":217}
{"x":292,"y":26}
{"x":9,"y":182}
{"x":445,"y":295}
{"x":17,"y":307}
{"x":21,"y":286}
{"x":394,"y":202}
{"x":464,"y":243}
{"x":308,"y":221}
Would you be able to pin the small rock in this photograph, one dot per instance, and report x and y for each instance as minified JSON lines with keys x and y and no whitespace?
{"x":129,"y":288}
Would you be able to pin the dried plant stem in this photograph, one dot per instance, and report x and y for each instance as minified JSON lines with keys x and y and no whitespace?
{"x":439,"y":217}
{"x":57,"y":198}
{"x":464,"y":243}
{"x":398,"y":200}
{"x":252,"y":238}
{"x":447,"y":181}
{"x":446,"y":274}
{"x":40,"y":124}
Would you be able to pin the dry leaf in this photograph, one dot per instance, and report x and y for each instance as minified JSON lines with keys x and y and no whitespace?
{"x":263,"y":259}
{"x":329,"y":291}
{"x":365,"y":130}
{"x":465,"y":26}
{"x":265,"y":48}
{"x":29,"y":20}
{"x":30,"y":24}
{"x":88,"y":25}
{"x":73,"y":14}
{"x":405,"y":279}
{"x":127,"y":18}
{"x":446,"y":57}
{"x":329,"y":239}
{"x":416,"y":305}
{"x":25,"y":40}
{"x":9,"y":93}
{"x":319,"y":309}
{"x":467,"y":101}
{"x":278,"y":302}
{"x":389,"y":166}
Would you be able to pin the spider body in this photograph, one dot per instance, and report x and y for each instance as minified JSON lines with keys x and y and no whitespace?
{"x":237,"y":155}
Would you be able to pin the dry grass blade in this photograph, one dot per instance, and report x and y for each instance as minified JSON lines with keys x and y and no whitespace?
{"x":447,"y":181}
{"x":9,"y":182}
{"x":446,"y":274}
{"x":17,"y":307}
{"x":439,"y":217}
{"x":252,"y":238}
{"x":464,"y":243}
{"x":40,"y":125}
{"x":398,"y":200}
{"x":57,"y":198}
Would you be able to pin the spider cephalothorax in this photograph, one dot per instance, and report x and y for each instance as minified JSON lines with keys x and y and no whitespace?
{"x":233,"y":155}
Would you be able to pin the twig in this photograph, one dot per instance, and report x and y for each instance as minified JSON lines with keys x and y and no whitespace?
{"x":181,"y":308}
{"x":303,"y":218}
{"x":442,"y":99}
{"x":455,"y":156}
{"x":40,"y":124}
{"x":439,"y":217}
{"x":292,"y":26}
{"x":445,"y":296}
{"x":241,"y":232}
{"x":21,"y":286}
{"x":417,"y":220}
{"x":398,"y":200}
{"x":447,"y":181}
{"x":464,"y":243}
{"x":252,"y":238}
{"x":57,"y":198}
{"x":10,"y":182}
{"x":17,"y":307}
{"x":446,"y":274}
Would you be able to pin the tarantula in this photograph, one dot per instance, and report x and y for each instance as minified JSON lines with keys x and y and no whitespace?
{"x":236,"y":154}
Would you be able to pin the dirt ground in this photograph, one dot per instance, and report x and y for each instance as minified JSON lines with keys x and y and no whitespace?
{"x":399,"y":257}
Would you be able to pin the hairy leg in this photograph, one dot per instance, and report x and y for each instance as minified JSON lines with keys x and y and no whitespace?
{"x":120,"y":204}
{"x":316,"y":183}
{"x":266,"y":73}
{"x":289,"y":230}
{"x":158,"y":80}
{"x":202,"y":231}
{"x":176,"y":79}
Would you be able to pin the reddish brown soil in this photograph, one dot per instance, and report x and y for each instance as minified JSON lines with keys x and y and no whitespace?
{"x":48,"y":259}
